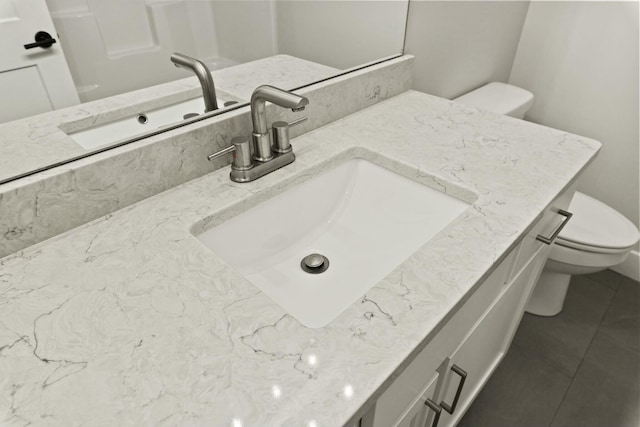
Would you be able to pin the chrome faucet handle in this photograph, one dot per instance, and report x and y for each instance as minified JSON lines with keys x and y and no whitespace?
{"x":281,"y":134}
{"x":241,"y":149}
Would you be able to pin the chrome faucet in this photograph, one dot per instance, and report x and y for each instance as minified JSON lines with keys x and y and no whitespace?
{"x":263,"y":94}
{"x":270,"y":150}
{"x":203,"y":74}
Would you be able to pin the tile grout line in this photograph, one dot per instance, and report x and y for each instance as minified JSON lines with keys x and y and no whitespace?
{"x":564,"y":395}
{"x":544,"y":361}
{"x":554,"y":369}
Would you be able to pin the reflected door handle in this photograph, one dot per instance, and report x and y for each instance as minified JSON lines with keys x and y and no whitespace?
{"x":42,"y":39}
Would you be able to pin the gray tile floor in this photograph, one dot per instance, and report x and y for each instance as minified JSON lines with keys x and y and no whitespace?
{"x":580,"y":368}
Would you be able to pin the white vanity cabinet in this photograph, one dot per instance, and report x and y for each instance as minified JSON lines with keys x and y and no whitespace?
{"x":457,"y":362}
{"x":486,"y":344}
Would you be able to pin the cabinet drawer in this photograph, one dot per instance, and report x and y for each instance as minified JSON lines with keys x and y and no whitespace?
{"x":402,"y":392}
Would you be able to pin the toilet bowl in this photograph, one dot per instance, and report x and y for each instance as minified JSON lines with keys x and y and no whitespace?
{"x":597,"y":236}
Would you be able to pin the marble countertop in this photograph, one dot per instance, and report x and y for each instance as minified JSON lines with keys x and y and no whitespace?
{"x":42,"y":140}
{"x":130,"y":321}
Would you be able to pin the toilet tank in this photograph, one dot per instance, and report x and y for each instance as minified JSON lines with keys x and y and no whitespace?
{"x":499,"y":98}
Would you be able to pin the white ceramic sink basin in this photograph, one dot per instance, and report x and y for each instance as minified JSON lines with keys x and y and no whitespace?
{"x":143,"y":122}
{"x":365,"y":219}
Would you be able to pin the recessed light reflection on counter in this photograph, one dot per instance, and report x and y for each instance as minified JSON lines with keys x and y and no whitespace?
{"x":276,"y":392}
{"x":312,"y":423}
{"x":236,"y":422}
{"x":312,"y":360}
{"x":348,"y":391}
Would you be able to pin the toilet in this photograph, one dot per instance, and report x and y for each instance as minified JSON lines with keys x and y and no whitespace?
{"x":597,"y":236}
{"x":499,"y":98}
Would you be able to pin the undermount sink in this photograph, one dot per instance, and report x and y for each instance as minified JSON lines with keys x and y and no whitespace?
{"x":366,"y":220}
{"x":140,"y":123}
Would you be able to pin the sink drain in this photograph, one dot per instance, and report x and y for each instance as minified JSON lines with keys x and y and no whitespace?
{"x":314,"y":263}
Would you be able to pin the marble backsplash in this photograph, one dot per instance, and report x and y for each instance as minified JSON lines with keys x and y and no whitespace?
{"x":44,"y":205}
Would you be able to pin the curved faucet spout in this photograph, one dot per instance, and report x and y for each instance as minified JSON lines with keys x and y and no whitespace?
{"x":266,"y":93}
{"x":204,"y":75}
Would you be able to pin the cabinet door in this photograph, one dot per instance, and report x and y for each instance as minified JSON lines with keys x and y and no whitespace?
{"x":485,"y":346}
{"x":411,"y":382}
{"x":418,"y":413}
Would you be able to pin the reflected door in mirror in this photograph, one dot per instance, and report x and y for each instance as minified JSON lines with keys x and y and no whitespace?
{"x":36,"y":79}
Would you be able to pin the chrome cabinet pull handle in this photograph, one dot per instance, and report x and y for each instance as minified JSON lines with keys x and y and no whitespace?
{"x":463,"y":376}
{"x":548,"y":240}
{"x":435,"y":408}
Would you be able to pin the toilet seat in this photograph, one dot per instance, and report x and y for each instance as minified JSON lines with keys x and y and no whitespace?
{"x":593,"y":258}
{"x":596,"y":236}
{"x":590,"y":248}
{"x":596,"y":227}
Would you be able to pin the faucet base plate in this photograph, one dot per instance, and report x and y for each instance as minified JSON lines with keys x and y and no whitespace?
{"x":260,"y":169}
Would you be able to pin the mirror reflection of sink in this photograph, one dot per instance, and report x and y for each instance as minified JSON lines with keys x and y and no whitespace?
{"x":366,"y":220}
{"x":142,"y":122}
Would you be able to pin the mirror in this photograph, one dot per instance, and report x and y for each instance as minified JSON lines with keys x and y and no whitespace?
{"x":93,"y":67}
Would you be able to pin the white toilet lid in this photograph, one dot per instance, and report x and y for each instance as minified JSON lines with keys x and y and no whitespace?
{"x":596,"y":224}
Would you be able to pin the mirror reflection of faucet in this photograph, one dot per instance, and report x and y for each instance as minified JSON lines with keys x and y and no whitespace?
{"x":204,"y":76}
{"x":271,"y":149}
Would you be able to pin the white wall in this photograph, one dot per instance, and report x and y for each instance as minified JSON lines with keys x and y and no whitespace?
{"x":245,"y":29}
{"x":580,"y":59}
{"x":462,"y":45}
{"x":341,"y":34}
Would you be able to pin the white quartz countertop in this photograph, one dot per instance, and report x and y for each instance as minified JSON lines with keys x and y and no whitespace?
{"x":130,"y":321}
